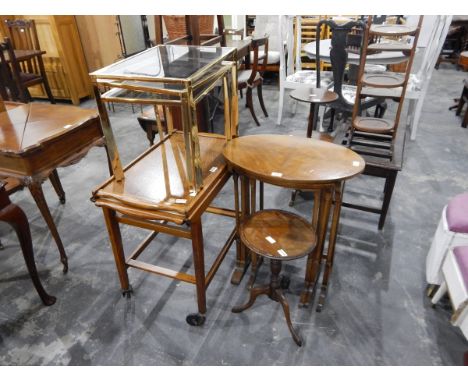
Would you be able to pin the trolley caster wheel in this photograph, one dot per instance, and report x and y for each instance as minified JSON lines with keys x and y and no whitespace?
{"x":195,"y":319}
{"x":284,"y":282}
{"x":127,"y":292}
{"x":62,"y":199}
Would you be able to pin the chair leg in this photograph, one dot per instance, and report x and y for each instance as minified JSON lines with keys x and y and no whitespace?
{"x":14,"y":216}
{"x":260,"y":98}
{"x":115,"y":238}
{"x":461,"y":102}
{"x":332,"y":120}
{"x":465,"y":119}
{"x":46,"y":81}
{"x":55,"y":180}
{"x":388,"y":191}
{"x":280,"y":105}
{"x":440,"y":293}
{"x":250,"y":105}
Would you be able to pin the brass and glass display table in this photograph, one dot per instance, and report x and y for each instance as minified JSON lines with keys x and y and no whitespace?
{"x":297,"y":163}
{"x":169,"y":186}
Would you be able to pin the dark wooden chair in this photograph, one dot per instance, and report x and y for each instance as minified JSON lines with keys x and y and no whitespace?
{"x":13,"y":215}
{"x":253,"y":78}
{"x":30,"y":71}
{"x":341,"y":43}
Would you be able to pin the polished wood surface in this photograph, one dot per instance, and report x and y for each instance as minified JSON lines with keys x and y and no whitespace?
{"x":298,"y":163}
{"x":36,"y":139}
{"x":13,"y":215}
{"x":314,"y":95}
{"x":157,"y":180}
{"x":278,"y":234}
{"x":39,"y":137}
{"x":291,"y":161}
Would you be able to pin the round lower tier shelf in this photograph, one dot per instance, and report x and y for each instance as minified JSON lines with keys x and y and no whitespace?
{"x":383,"y":80}
{"x":373,"y":125}
{"x":278,"y":234}
{"x":392,"y":30}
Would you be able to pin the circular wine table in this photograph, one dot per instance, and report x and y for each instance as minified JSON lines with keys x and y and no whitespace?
{"x":315,"y":97}
{"x":279,"y":236}
{"x":296,"y":163}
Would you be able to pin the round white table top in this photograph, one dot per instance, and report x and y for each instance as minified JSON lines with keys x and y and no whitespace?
{"x":383,"y":58}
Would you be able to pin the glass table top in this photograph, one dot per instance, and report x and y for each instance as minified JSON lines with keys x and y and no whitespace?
{"x":166,"y":62}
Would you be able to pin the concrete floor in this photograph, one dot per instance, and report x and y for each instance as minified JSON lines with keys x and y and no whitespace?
{"x":376,"y":312}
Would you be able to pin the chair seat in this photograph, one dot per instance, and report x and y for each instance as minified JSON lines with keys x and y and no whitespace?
{"x":28,"y":77}
{"x":273,"y":57}
{"x":310,"y":77}
{"x":461,"y":255}
{"x":244,"y":75}
{"x":372,"y":68}
{"x":457,"y":214}
{"x":349,"y":94}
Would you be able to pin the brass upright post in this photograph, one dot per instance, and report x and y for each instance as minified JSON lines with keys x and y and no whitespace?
{"x":112,"y":151}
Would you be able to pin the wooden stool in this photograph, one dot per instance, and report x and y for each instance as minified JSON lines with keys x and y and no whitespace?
{"x":279,"y":236}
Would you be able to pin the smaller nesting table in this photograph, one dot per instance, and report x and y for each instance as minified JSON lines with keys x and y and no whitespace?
{"x":316,"y":97}
{"x":279,"y":236}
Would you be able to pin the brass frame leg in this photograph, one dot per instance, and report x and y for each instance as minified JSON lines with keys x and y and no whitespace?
{"x":35,"y":188}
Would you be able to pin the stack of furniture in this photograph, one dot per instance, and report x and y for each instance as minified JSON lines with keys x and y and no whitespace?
{"x":172,"y":184}
{"x":291,"y":76}
{"x":30,"y":71}
{"x":372,"y":135}
{"x":380,"y":140}
{"x":306,"y":32}
{"x":64,"y":61}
